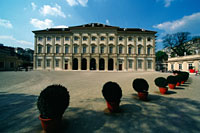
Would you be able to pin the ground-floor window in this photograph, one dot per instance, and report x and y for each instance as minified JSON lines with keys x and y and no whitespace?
{"x":39,"y":62}
{"x":1,"y":64}
{"x":48,"y":63}
{"x":57,"y":62}
{"x":140,"y":64}
{"x":149,"y":64}
{"x":130,"y":64}
{"x":190,"y":66}
{"x":180,"y":66}
{"x":172,"y":66}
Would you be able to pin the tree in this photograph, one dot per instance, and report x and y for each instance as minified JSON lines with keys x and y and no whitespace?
{"x":177,"y":43}
{"x":161,"y":56}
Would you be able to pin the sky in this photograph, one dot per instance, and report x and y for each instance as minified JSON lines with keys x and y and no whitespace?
{"x":18,"y":18}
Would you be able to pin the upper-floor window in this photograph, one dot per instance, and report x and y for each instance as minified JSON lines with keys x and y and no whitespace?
{"x":111,"y":38}
{"x":139,"y":38}
{"x":75,"y":49}
{"x":129,"y":49}
{"x":76,"y":38}
{"x":48,"y":38}
{"x":149,"y":39}
{"x":139,"y":50}
{"x":48,"y":49}
{"x":120,"y":49}
{"x":120,"y":38}
{"x":102,"y":38}
{"x":39,"y":49}
{"x":39,"y":38}
{"x":93,"y":38}
{"x":66,"y":49}
{"x":130,"y":39}
{"x":84,"y":38}
{"x":110,"y":49}
{"x":57,"y":49}
{"x":148,"y":50}
{"x":102,"y":49}
{"x":84,"y":49}
{"x":67,"y":38}
{"x":57,"y":38}
{"x":93,"y":49}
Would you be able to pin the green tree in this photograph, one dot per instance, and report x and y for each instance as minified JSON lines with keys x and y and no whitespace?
{"x":161,"y":56}
{"x":177,"y":43}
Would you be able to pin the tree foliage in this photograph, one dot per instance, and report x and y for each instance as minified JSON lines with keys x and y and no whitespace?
{"x":161,"y":56}
{"x":177,"y":43}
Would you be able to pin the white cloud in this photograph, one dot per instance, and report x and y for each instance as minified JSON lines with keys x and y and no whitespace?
{"x":77,"y":2}
{"x":168,"y":3}
{"x":187,"y":23}
{"x":47,"y":23}
{"x":5,"y":23}
{"x":60,"y":26}
{"x":54,"y":11}
{"x":159,"y":40}
{"x":107,"y":22}
{"x":14,"y":40}
{"x":34,"y":6}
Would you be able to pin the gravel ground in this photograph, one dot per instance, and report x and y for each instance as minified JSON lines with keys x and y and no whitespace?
{"x":177,"y":111}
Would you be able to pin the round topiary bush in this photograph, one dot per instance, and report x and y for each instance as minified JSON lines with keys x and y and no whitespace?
{"x":140,"y":85}
{"x":53,"y":101}
{"x":171,"y":79}
{"x":112,"y":92}
{"x":161,"y":82}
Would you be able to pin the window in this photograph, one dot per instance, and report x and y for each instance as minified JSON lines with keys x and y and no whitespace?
{"x":111,"y":38}
{"x":48,"y":63}
{"x":139,"y":38}
{"x":93,"y":38}
{"x":172,"y":66}
{"x":11,"y":64}
{"x":102,"y":49}
{"x":84,"y":49}
{"x":48,"y":49}
{"x":76,"y":38}
{"x":130,"y":39}
{"x":93,"y":49}
{"x":39,"y":62}
{"x":39,"y":49}
{"x":48,"y":38}
{"x":57,"y":38}
{"x":130,"y":64}
{"x":66,"y":49}
{"x":110,"y":49}
{"x":190,"y":66}
{"x":140,"y":64}
{"x":120,"y":49}
{"x":57,"y":49}
{"x":148,"y":39}
{"x":120,"y":38}
{"x":1,"y":64}
{"x":75,"y":49}
{"x":139,"y":50}
{"x":129,"y":50}
{"x":180,"y":66}
{"x":57,"y":62}
{"x":148,"y":50}
{"x":39,"y":38}
{"x":84,"y":38}
{"x":66,"y":38}
{"x":149,"y":64}
{"x":102,"y":38}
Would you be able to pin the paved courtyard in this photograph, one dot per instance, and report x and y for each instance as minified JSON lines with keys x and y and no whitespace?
{"x":177,"y":111}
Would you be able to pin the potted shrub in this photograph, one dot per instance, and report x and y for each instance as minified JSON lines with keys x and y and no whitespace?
{"x":191,"y":69}
{"x":171,"y":80}
{"x":112,"y":93}
{"x":161,"y":83}
{"x":52,"y":103}
{"x":141,"y":86}
{"x":185,"y":76}
{"x":175,"y":72}
{"x":178,"y":79}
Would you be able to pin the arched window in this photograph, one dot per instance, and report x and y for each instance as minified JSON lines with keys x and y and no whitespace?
{"x":102,"y":38}
{"x":84,"y":38}
{"x":139,"y":38}
{"x":93,"y":38}
{"x":130,"y":38}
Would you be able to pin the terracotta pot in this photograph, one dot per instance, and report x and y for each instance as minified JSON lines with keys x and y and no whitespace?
{"x":143,"y":95}
{"x":172,"y":86}
{"x":192,"y":70}
{"x":113,"y":106}
{"x":178,"y":83}
{"x":50,"y":125}
{"x":182,"y":82}
{"x":163,"y":90}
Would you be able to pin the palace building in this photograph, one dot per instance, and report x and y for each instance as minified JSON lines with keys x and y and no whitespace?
{"x":94,"y":46}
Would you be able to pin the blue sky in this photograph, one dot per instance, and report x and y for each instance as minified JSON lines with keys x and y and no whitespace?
{"x":18,"y":18}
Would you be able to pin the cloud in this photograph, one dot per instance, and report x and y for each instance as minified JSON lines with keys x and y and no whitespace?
{"x":60,"y":26}
{"x":34,"y":6}
{"x":187,"y":23}
{"x":54,"y":11}
{"x":159,"y":40}
{"x":168,"y":3}
{"x":15,"y":41}
{"x":77,"y":2}
{"x":47,"y":23}
{"x":107,"y":22}
{"x":5,"y":23}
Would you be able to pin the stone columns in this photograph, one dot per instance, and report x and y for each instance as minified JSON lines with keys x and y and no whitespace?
{"x":106,"y":63}
{"x":97,"y":63}
{"x":144,"y":45}
{"x":125,"y":63}
{"x":52,"y":63}
{"x":144,"y":66}
{"x":70,"y":63}
{"x":53,"y":44}
{"x":71,"y":44}
{"x":88,"y":63}
{"x":79,"y":63}
{"x":62,"y":44}
{"x":44,"y":44}
{"x":115,"y":63}
{"x":135,"y":64}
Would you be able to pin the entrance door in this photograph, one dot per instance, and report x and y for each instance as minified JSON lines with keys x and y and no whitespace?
{"x":83,"y":64}
{"x":92,"y":64}
{"x":75,"y":64}
{"x":110,"y":64}
{"x":66,"y":65}
{"x":120,"y":67}
{"x":101,"y":64}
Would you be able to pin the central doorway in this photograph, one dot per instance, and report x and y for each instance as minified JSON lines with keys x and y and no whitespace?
{"x":101,"y":64}
{"x":92,"y":64}
{"x":110,"y":64}
{"x":75,"y":64}
{"x":83,"y":64}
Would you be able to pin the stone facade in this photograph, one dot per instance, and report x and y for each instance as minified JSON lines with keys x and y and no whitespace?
{"x":95,"y":47}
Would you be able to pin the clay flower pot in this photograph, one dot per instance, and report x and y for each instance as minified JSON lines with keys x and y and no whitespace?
{"x":182,"y":82}
{"x":143,"y":95}
{"x":171,"y":86}
{"x":113,"y":106}
{"x":163,"y":90}
{"x":178,"y":83}
{"x":50,"y":125}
